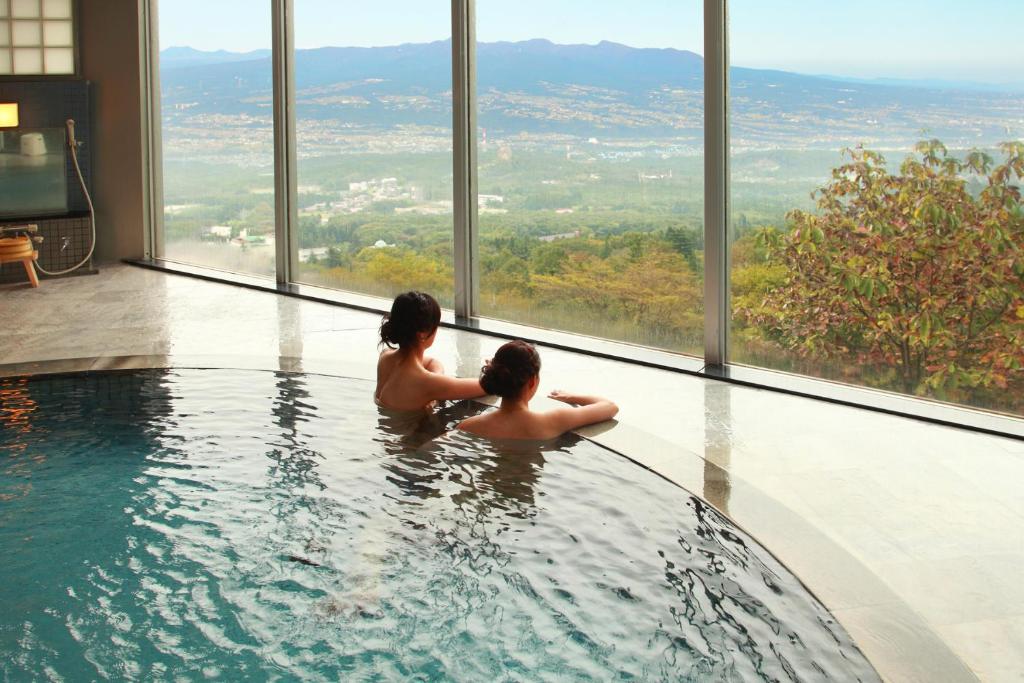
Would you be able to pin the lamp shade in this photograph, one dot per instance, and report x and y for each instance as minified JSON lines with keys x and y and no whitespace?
{"x":8,"y":114}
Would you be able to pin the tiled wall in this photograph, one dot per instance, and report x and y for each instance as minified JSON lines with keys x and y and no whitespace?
{"x":48,"y":104}
{"x":65,"y":242}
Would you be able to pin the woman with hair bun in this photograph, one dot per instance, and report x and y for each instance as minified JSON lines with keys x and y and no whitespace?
{"x":406,"y":379}
{"x":514,"y":375}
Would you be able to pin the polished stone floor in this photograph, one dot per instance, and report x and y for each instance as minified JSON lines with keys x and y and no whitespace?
{"x":912,"y":534}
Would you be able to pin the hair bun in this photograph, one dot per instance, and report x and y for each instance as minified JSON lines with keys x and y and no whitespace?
{"x":393,"y":332}
{"x":386,"y":329}
{"x":511,"y":369}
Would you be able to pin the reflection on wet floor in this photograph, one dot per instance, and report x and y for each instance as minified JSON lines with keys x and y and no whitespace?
{"x":717,"y":445}
{"x":289,"y":346}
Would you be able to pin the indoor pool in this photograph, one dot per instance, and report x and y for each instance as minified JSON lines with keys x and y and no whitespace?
{"x":255,"y":525}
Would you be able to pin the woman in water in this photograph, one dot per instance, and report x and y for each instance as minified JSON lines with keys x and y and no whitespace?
{"x":406,"y":379}
{"x":514,"y":374}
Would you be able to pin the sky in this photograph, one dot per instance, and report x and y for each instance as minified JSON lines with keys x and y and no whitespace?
{"x":976,"y":40}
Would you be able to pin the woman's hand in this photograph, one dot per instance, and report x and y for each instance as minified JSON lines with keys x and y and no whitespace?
{"x":573,"y":399}
{"x":586,"y":410}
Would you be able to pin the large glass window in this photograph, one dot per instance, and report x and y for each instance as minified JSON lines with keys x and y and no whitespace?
{"x":875,"y":212}
{"x":217,"y":129}
{"x":374,"y":135}
{"x":590,"y":149}
{"x":876,"y":227}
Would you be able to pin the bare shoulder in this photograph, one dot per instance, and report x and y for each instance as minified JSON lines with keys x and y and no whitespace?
{"x":481,"y":425}
{"x":560,"y":419}
{"x":494,"y":425}
{"x":387,"y":357}
{"x":470,"y":423}
{"x":385,"y":364}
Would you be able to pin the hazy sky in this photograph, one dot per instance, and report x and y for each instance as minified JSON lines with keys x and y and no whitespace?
{"x":961,"y":40}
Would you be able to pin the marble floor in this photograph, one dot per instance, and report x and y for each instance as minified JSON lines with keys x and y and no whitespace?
{"x":911,"y":533}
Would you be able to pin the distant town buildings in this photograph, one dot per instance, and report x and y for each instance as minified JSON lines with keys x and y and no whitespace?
{"x":561,"y":235}
{"x":223,"y":231}
{"x":647,"y":177}
{"x":312,"y":254}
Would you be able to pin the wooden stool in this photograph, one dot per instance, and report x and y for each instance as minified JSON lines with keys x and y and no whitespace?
{"x":20,"y":249}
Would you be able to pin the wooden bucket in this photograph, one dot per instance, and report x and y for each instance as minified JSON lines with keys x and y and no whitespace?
{"x":16,"y":249}
{"x":20,"y":249}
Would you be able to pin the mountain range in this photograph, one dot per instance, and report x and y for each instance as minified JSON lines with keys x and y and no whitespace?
{"x":606,"y":89}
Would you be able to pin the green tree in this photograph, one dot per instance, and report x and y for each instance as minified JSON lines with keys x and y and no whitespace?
{"x":549,"y":259}
{"x":400,"y":269}
{"x":908,"y":271}
{"x":335,"y":258}
{"x":657,"y":293}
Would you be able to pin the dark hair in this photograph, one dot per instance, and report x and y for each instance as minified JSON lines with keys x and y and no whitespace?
{"x":512,"y":367}
{"x":411,"y":313}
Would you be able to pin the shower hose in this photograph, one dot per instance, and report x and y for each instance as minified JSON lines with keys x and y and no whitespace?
{"x":73,"y":146}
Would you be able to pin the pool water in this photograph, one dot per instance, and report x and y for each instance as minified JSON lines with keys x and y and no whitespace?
{"x":255,"y":525}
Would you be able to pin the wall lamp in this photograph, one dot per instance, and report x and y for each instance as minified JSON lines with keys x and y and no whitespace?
{"x":8,"y":115}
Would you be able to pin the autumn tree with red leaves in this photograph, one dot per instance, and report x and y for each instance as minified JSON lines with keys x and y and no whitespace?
{"x":918,"y":273}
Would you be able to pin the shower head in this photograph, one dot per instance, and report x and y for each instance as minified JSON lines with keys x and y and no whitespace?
{"x":70,"y":125}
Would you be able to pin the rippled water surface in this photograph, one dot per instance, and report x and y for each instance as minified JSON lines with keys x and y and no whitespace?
{"x":249,"y":525}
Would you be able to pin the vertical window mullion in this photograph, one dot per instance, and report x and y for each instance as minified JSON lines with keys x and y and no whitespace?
{"x":153,"y":240}
{"x":285,"y":184}
{"x":467,"y":281}
{"x":716,"y":183}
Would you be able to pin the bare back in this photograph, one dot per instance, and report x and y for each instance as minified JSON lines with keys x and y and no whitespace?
{"x":408,"y":381}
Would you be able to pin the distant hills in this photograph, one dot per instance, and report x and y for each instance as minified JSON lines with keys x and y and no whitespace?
{"x":934,"y":83}
{"x":175,"y":57}
{"x":604,"y":90}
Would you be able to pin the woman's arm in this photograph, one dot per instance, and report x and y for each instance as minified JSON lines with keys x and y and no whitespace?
{"x":443,"y":387}
{"x":577,"y":399}
{"x":590,"y":410}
